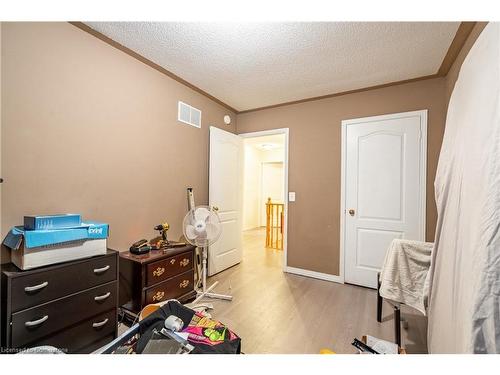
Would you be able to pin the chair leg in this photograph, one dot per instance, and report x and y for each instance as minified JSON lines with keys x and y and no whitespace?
{"x":397,"y":325}
{"x":379,"y":300}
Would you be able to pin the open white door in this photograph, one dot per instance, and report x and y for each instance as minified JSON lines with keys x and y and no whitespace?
{"x":384,"y":189}
{"x":226,"y":193}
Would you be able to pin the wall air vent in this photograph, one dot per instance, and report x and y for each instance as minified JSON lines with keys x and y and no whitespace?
{"x":189,"y":115}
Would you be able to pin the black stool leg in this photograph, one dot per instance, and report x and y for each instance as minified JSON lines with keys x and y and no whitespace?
{"x":397,"y":325}
{"x":379,"y":300}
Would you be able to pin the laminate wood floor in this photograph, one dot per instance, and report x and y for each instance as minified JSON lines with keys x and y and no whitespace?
{"x":277,"y":312}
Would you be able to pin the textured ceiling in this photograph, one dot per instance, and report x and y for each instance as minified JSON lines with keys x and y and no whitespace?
{"x":250,"y":65}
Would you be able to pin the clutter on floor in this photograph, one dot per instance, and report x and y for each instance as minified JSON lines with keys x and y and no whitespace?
{"x":174,"y":328}
{"x":373,"y":345}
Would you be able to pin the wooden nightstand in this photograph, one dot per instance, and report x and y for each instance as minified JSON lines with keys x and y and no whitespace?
{"x":156,"y":276}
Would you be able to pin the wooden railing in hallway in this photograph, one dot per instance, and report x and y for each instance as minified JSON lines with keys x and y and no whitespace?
{"x":274,"y":224}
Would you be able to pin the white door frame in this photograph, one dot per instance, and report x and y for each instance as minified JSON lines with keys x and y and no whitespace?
{"x":284,"y":131}
{"x":423,"y":172}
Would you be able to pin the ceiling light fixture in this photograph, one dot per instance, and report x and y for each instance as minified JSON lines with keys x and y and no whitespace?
{"x":268,"y":146}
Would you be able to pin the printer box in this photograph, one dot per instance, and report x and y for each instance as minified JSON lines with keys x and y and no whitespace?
{"x":52,"y":221}
{"x":37,"y":248}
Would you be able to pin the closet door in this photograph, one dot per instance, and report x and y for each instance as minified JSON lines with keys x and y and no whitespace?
{"x":384,"y":189}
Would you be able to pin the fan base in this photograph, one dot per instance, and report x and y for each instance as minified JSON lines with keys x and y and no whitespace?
{"x":219,"y":296}
{"x":207,"y":293}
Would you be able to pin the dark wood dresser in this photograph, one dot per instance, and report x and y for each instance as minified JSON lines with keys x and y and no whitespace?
{"x":71,"y":306}
{"x":156,"y":276}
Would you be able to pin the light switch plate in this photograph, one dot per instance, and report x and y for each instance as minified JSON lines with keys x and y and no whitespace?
{"x":291,"y":196}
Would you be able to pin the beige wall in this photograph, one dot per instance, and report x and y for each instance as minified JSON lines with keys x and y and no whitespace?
{"x":314,"y":161}
{"x":89,"y":129}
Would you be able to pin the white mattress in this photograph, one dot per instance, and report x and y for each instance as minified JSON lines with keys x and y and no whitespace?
{"x":464,"y":279}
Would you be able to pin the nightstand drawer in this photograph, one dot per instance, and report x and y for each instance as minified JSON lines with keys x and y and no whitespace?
{"x":36,"y":287}
{"x":166,"y":268}
{"x":36,"y":322}
{"x":172,"y":288}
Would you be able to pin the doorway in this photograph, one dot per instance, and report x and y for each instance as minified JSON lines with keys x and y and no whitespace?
{"x":383,"y":189}
{"x":239,"y":188}
{"x":265,"y":189}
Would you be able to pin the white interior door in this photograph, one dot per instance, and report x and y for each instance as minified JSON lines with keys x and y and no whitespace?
{"x":384,"y":189}
{"x":226,"y":193}
{"x":272,"y":186}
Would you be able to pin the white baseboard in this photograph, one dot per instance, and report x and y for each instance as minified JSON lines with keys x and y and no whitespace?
{"x":315,"y":275}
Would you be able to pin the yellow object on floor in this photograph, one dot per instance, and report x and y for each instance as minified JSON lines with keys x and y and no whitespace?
{"x":326,"y":351}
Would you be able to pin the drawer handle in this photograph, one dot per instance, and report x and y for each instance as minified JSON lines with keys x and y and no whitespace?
{"x":158,"y":272}
{"x":184,"y":284}
{"x":30,"y":289}
{"x":100,"y":324}
{"x":98,"y":271}
{"x":184,"y":262}
{"x":158,"y":296}
{"x":103,"y":297}
{"x":34,"y":323}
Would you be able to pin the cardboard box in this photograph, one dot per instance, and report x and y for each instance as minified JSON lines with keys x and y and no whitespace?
{"x":52,"y":222}
{"x":28,"y":258}
{"x":37,"y":248}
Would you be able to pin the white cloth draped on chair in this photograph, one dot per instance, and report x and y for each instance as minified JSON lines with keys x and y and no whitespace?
{"x":404,"y":272}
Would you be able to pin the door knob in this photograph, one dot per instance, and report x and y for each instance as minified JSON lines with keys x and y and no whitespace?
{"x":351,"y":212}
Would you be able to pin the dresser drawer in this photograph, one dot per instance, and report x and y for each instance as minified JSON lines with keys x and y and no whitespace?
{"x":36,"y":322}
{"x":172,"y":288}
{"x":166,"y":268}
{"x":82,"y":335}
{"x":36,"y":287}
